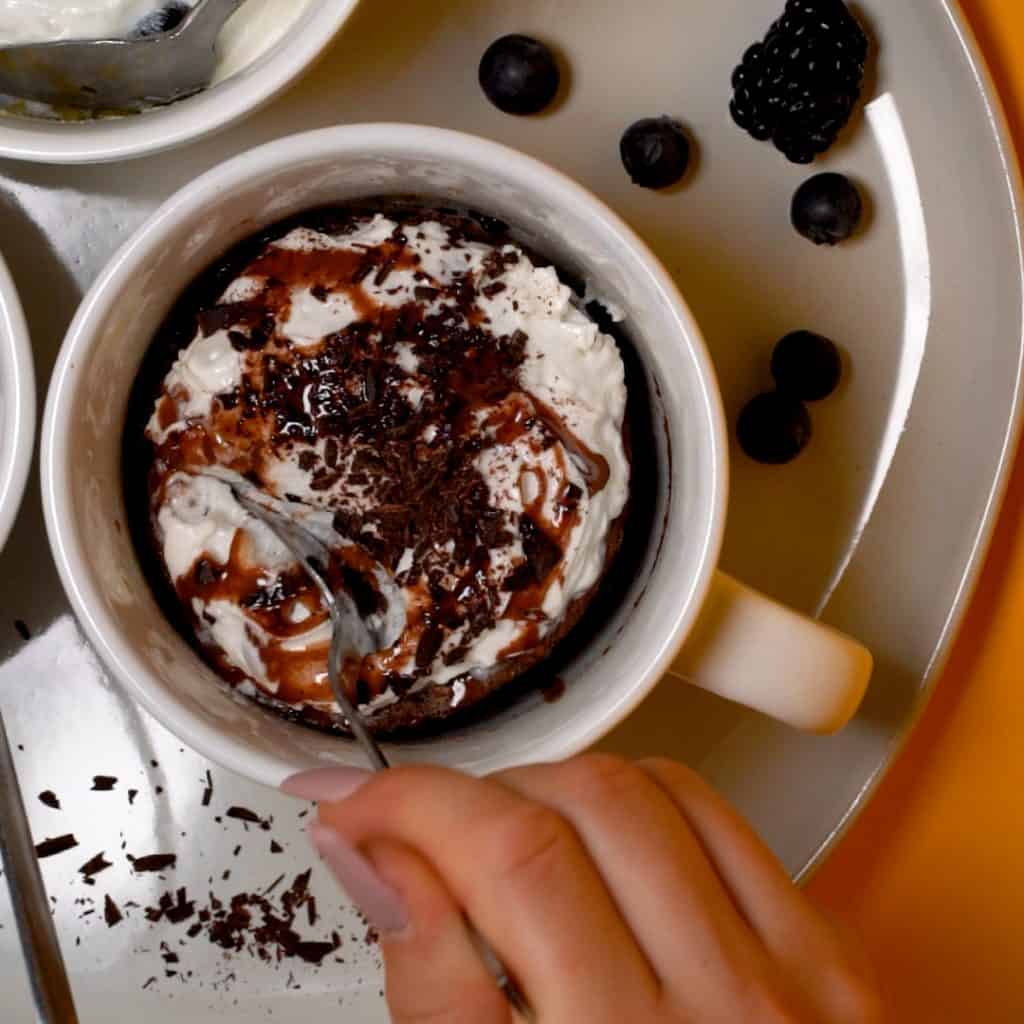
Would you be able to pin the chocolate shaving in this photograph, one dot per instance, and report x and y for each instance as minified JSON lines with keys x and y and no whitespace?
{"x":93,"y":867}
{"x":153,"y":862}
{"x":542,"y":553}
{"x":243,"y":814}
{"x":111,"y":912}
{"x":49,"y":798}
{"x":208,"y":792}
{"x":103,"y":783}
{"x":52,"y":847}
{"x":219,"y":318}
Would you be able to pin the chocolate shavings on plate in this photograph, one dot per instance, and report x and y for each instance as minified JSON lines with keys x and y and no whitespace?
{"x":51,"y":847}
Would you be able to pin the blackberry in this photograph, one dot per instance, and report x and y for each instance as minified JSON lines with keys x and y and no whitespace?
{"x":799,"y":87}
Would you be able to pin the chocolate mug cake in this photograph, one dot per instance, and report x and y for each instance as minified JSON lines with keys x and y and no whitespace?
{"x":413,"y":384}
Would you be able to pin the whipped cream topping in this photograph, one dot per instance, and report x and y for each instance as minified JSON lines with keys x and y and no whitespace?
{"x":434,"y":397}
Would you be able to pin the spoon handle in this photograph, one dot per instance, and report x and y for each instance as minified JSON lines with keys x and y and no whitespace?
{"x":209,"y":17}
{"x":47,"y":973}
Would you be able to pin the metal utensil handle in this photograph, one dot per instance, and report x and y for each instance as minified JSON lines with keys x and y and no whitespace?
{"x":335,"y":664}
{"x":208,"y":18}
{"x":47,"y":973}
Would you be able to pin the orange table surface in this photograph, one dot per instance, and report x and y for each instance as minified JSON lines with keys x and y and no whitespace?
{"x":932,"y":874}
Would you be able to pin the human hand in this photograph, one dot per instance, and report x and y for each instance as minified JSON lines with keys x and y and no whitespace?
{"x":613,"y":892}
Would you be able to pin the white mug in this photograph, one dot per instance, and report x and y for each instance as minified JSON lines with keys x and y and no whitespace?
{"x":678,"y":612}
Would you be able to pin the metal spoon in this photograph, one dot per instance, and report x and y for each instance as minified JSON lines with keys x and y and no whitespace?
{"x":346,"y":639}
{"x":119,"y":74}
{"x":351,"y":634}
{"x":47,"y":974}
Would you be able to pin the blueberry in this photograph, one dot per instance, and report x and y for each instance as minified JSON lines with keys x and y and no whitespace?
{"x":519,"y":75}
{"x":774,"y":428}
{"x":827,"y":209}
{"x":655,"y":151}
{"x":168,"y":17}
{"x":807,"y":366}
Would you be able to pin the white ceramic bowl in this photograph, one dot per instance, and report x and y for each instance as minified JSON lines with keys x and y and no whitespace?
{"x":81,"y":465}
{"x":17,"y":403}
{"x":241,"y":93}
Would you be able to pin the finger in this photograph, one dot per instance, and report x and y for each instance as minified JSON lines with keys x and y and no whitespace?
{"x":657,"y":873}
{"x":522,"y":875}
{"x":792,"y":929}
{"x":434,"y":973}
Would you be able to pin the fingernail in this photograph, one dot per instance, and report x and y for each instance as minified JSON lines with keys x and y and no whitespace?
{"x":379,"y":903}
{"x":325,"y":785}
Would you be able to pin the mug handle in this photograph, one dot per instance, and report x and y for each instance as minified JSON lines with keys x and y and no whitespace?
{"x":751,"y":650}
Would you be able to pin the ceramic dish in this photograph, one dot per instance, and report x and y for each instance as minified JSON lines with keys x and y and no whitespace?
{"x":881,"y":526}
{"x":265,"y":46}
{"x":17,"y":403}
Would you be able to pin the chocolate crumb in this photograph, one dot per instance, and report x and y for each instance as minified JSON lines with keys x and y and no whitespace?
{"x":149,"y":983}
{"x":276,"y":847}
{"x":51,"y":847}
{"x":103,"y":783}
{"x":132,"y":794}
{"x":93,"y":867}
{"x":182,"y":910}
{"x":244,"y":814}
{"x":111,"y":912}
{"x":49,"y":798}
{"x":153,"y":862}
{"x":208,"y":792}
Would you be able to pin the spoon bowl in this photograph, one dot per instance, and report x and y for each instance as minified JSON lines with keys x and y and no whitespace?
{"x":120,"y":75}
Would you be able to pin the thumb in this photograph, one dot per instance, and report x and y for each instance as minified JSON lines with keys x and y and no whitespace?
{"x":434,"y":972}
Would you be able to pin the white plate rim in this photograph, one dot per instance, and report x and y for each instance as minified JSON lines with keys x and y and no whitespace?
{"x":17,"y":382}
{"x":1012,"y":175}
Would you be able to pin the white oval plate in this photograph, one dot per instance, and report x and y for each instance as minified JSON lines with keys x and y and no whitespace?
{"x":880,"y":526}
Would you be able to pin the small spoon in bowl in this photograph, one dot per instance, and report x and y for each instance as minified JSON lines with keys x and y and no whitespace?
{"x":119,"y":75}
